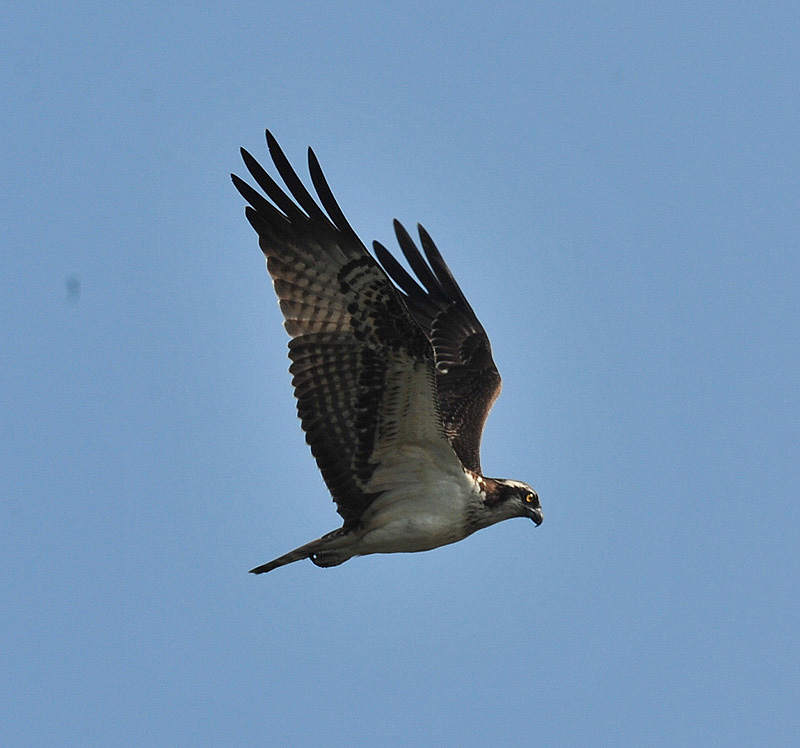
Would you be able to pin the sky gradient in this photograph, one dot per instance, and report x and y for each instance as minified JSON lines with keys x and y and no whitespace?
{"x":615,"y":187}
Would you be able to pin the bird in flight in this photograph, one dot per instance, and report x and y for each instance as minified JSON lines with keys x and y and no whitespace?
{"x":394,"y":376}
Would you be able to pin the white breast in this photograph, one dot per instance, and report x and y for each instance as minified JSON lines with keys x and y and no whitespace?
{"x":426,"y":494}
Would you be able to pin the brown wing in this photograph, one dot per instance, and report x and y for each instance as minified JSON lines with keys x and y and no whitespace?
{"x":467,"y":379}
{"x":359,"y":360}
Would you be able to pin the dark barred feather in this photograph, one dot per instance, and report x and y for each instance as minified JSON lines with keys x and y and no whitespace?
{"x":349,"y":325}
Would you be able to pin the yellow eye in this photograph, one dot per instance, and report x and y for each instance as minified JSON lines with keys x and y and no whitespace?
{"x":528,"y":497}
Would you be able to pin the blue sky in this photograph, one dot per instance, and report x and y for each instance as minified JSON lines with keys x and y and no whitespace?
{"x":615,"y":186}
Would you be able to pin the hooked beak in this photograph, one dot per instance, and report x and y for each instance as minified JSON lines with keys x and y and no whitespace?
{"x":537,"y":516}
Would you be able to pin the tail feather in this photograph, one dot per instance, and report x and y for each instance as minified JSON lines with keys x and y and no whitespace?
{"x":304,"y":551}
{"x":325,"y":551}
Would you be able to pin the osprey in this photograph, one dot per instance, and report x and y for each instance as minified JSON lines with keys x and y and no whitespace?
{"x":393,"y":376}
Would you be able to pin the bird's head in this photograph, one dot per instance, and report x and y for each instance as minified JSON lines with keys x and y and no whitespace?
{"x":517,"y":499}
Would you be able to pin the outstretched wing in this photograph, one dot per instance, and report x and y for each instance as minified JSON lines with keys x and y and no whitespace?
{"x":466,"y":376}
{"x":363,"y":369}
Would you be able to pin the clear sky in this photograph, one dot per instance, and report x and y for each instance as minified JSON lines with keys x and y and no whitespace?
{"x":616,"y":187}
